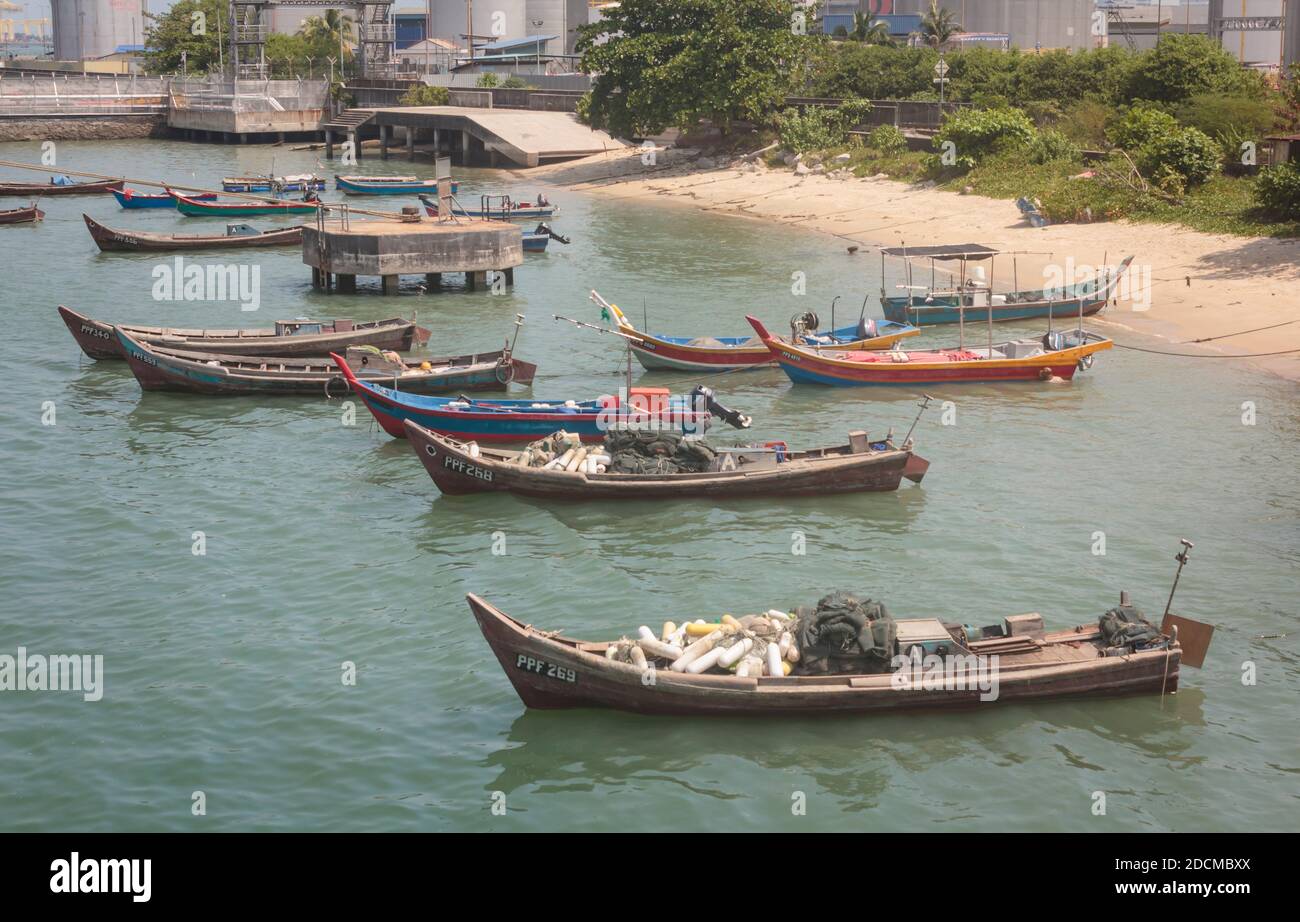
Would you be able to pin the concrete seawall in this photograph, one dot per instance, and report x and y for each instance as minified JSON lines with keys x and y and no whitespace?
{"x":82,"y":128}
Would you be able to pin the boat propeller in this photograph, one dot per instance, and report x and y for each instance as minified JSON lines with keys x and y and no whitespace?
{"x":729,"y":416}
{"x":545,"y":228}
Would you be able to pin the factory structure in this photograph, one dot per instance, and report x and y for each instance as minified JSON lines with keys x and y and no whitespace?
{"x":91,"y":29}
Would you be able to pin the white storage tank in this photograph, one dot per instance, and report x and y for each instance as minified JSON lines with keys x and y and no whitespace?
{"x":1030,"y":23}
{"x":85,"y":29}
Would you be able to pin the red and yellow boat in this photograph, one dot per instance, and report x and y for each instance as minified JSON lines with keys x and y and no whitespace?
{"x":1055,"y":355}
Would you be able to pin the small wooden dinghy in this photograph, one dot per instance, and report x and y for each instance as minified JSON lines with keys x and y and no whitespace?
{"x":296,"y":338}
{"x":237,"y":235}
{"x":1056,"y":355}
{"x":505,"y":209}
{"x":1021,"y":661}
{"x":64,"y":187}
{"x":457,"y":467}
{"x":29,"y":215}
{"x":212,"y":373}
{"x":192,"y":207}
{"x":134,"y":198}
{"x":388,"y":185}
{"x":300,"y":182}
{"x":734,"y":353}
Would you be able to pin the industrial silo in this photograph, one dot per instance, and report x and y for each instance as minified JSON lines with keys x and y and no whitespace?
{"x":493,"y":19}
{"x":86,"y":29}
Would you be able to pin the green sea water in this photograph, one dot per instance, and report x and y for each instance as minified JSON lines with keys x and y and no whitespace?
{"x":327,"y":544}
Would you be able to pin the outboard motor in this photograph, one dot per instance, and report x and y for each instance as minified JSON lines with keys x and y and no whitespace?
{"x":545,"y":228}
{"x":727,"y":415}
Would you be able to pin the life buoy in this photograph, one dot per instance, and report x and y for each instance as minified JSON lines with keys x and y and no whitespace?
{"x":329,"y":383}
{"x":505,"y":372}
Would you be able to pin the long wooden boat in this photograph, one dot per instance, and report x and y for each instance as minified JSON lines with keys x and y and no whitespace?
{"x":27,"y":189}
{"x":212,"y":373}
{"x":236,"y":235}
{"x":29,"y":215}
{"x":457,"y":467}
{"x":1056,"y":355}
{"x":737,"y":353}
{"x":388,"y":185}
{"x":297,"y":338}
{"x":515,"y":420}
{"x":511,"y":211}
{"x":200,"y":209}
{"x":300,"y":182}
{"x":549,"y":670}
{"x":134,"y":198}
{"x":973,"y":300}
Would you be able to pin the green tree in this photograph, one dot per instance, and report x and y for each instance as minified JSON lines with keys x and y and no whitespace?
{"x":662,"y":63}
{"x":869,"y":30}
{"x":1277,"y":191}
{"x":190,"y":31}
{"x":1182,"y":66}
{"x":938,"y":24}
{"x":333,"y":28}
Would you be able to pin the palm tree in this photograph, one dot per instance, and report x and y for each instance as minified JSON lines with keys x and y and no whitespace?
{"x":333,"y":27}
{"x":939,"y":24}
{"x":866,"y":28}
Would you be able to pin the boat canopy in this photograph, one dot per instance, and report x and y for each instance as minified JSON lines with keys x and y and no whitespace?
{"x":950,"y":251}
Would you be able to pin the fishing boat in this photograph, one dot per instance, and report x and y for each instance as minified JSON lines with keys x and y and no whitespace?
{"x":535,"y":241}
{"x":1055,"y":355}
{"x":134,"y":198}
{"x":973,"y":294}
{"x":924,"y":663}
{"x":196,"y":208}
{"x":501,"y":208}
{"x":236,"y":235}
{"x":159,"y":369}
{"x":735,"y":353}
{"x":301,"y":182}
{"x":29,"y":215}
{"x":524,"y":420}
{"x":296,"y":338}
{"x":388,"y":185}
{"x":746,"y":472}
{"x":59,"y":185}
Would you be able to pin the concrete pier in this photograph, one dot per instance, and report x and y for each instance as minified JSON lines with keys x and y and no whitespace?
{"x":391,"y":249}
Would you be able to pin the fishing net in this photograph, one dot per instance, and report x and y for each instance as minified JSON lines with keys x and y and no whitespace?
{"x":845,"y":634}
{"x":641,"y":452}
{"x":1124,"y":626}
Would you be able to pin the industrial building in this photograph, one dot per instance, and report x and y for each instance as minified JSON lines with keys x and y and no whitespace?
{"x":88,"y":29}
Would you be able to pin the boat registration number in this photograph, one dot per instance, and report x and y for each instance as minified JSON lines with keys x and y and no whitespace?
{"x":461,"y":466}
{"x":541,"y":667}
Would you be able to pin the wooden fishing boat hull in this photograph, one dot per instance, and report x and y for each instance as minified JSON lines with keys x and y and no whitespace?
{"x":99,"y":339}
{"x":249,"y":184}
{"x":199,"y":209}
{"x":805,"y":366}
{"x":131,"y":199}
{"x":945,"y":309}
{"x":22,"y":215}
{"x":532,"y":213}
{"x":456,"y":470}
{"x":353,"y":185}
{"x":26,"y":189}
{"x":554,"y":672}
{"x":536,"y":243}
{"x":120,"y":241}
{"x":210,"y":373}
{"x":495,"y":420}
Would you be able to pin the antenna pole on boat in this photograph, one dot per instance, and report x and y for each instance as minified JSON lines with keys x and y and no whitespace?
{"x":1181,"y":557}
{"x":989,"y":295}
{"x":519,"y":321}
{"x":833,"y":300}
{"x":961,"y":303}
{"x":598,"y":329}
{"x":923,"y":405}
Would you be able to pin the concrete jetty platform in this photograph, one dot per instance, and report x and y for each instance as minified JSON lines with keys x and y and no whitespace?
{"x":522,"y":137}
{"x":339,"y":252}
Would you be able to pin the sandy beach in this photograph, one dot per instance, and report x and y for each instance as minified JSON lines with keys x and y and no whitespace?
{"x":1193,"y":292}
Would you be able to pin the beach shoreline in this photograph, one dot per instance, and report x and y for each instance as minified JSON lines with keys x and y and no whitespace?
{"x":1188,"y":289}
